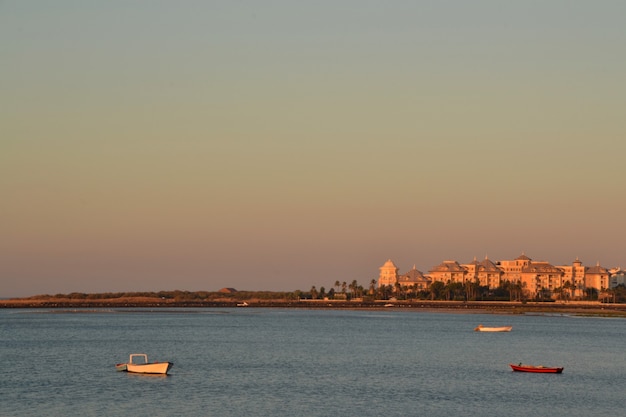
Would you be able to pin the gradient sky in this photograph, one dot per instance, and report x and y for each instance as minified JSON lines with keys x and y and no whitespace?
{"x":276,"y":145}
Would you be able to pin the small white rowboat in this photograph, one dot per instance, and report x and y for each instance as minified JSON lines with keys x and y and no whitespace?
{"x":482,"y":328}
{"x":145,"y":367}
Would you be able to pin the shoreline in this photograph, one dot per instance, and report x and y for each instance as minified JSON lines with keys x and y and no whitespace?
{"x":512,"y":307}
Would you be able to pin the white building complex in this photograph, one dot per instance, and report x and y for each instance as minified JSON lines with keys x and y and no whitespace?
{"x":533,"y":276}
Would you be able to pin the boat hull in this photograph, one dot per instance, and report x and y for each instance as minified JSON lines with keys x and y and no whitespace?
{"x":482,"y":328}
{"x":144,"y":367}
{"x":536,"y":369}
{"x":149,"y":368}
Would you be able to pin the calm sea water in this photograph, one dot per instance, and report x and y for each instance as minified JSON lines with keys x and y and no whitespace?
{"x":275,"y":362}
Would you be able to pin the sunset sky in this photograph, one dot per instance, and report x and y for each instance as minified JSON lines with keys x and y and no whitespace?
{"x":280,"y":144}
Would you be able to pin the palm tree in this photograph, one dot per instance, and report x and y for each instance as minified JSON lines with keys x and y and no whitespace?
{"x":353,"y":288}
{"x":384,"y":291}
{"x":453,"y":289}
{"x":591,"y":294}
{"x":471,"y":289}
{"x":397,"y":288}
{"x":331,"y":293}
{"x":358,"y":291}
{"x":515,"y":290}
{"x":567,"y":287}
{"x":436,"y":290}
{"x":411,"y":292}
{"x":372,"y":287}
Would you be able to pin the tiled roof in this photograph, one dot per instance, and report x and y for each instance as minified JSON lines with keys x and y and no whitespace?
{"x":488,"y":266}
{"x":597,"y":270}
{"x":474,"y":262}
{"x":413,"y":276}
{"x":541,"y":267}
{"x":448,"y":266}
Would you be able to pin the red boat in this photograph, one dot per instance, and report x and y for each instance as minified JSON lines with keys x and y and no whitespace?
{"x":536,"y":369}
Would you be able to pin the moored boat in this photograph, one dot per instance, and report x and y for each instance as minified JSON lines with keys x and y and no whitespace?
{"x":145,"y":367}
{"x":540,"y":369}
{"x":481,"y":328}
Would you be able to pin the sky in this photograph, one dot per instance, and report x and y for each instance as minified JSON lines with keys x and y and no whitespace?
{"x":283,"y":144}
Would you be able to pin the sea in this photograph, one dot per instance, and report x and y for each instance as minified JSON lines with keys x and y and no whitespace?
{"x":293,"y":362}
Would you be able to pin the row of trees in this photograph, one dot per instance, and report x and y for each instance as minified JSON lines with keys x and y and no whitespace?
{"x":456,"y":291}
{"x":341,"y":290}
{"x":437,"y":291}
{"x":451,"y":291}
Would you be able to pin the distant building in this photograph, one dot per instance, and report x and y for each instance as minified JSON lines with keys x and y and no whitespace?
{"x":535,"y":277}
{"x":574,"y":277}
{"x":448,"y":271}
{"x":486,"y":273}
{"x":597,"y":277}
{"x":388,"y":274}
{"x":414,"y":279}
{"x":618,"y":277}
{"x":541,"y":276}
{"x":512,"y":270}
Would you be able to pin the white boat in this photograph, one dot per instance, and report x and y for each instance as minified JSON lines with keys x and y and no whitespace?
{"x":144,"y":367}
{"x":481,"y":328}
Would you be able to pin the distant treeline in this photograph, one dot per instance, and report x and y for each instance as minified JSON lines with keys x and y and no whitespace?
{"x":175,"y":295}
{"x":438,"y":291}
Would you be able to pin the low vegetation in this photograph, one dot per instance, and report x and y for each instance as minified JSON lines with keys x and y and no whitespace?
{"x":455,"y":291}
{"x":340,"y":292}
{"x":176,"y":295}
